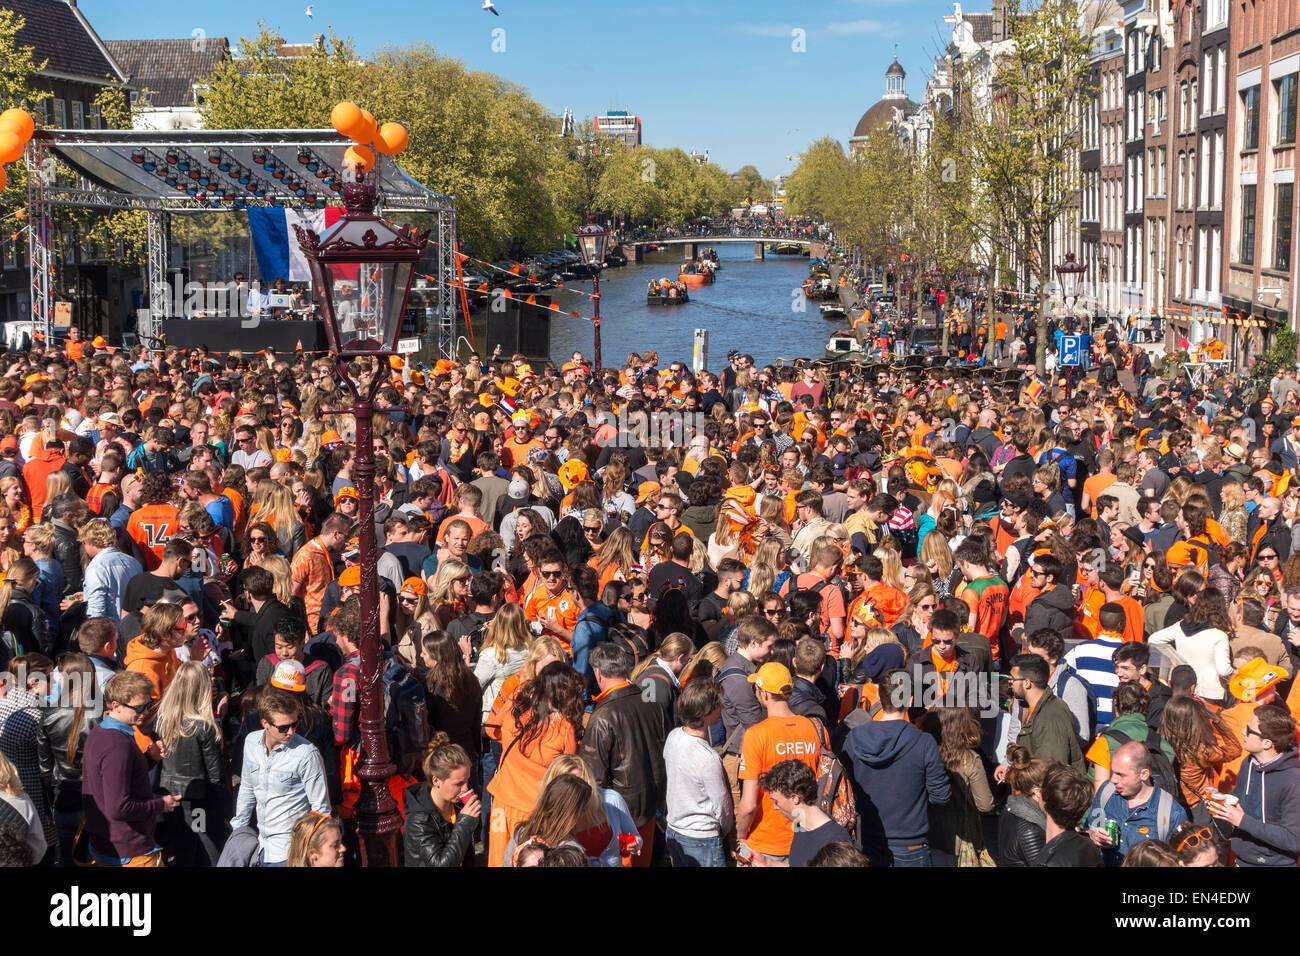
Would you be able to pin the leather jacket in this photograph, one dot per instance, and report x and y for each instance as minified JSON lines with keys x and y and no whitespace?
{"x":429,"y":839}
{"x":1021,"y":832}
{"x":624,"y":747}
{"x":67,"y":551}
{"x":195,"y":769}
{"x":63,"y":779}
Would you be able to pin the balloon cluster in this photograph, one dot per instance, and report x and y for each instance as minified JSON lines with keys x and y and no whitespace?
{"x":16,"y":128}
{"x":369,"y":138}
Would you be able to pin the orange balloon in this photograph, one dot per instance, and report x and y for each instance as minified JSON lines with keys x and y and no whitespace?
{"x":11,"y":145}
{"x":21,"y":119}
{"x":360,"y":158}
{"x":345,"y":117}
{"x":364,"y":132}
{"x":391,"y":139}
{"x":4,"y":178}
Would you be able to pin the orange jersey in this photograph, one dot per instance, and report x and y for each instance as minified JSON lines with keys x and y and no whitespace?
{"x":151,"y":527}
{"x":988,"y":598}
{"x":516,"y":452}
{"x":559,"y":610}
{"x":1086,"y":625}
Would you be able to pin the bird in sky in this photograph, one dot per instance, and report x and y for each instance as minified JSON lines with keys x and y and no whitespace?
{"x":309,"y":11}
{"x":487,"y":5}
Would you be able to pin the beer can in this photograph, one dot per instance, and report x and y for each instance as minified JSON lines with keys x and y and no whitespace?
{"x":1112,"y":828}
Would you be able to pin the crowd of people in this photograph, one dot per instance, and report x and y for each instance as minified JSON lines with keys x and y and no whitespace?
{"x":887,"y":617}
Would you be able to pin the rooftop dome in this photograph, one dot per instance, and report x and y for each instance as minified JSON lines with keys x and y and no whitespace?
{"x":895,"y":68}
{"x":883,"y":113}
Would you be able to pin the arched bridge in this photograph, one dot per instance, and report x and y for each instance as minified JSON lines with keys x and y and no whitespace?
{"x":635,"y":250}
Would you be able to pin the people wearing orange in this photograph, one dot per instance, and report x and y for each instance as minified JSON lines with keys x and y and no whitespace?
{"x":1254,"y":684}
{"x":163,"y":628}
{"x":985,"y":593}
{"x":544,"y":721}
{"x":155,"y":521}
{"x":522,"y":441}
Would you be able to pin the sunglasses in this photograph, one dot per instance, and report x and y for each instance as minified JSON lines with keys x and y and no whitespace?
{"x":260,"y":539}
{"x":926,"y":607}
{"x":552,"y":574}
{"x":590,"y":529}
{"x":1268,"y":557}
{"x":938,"y":643}
{"x":285,"y":728}
{"x":140,"y":708}
{"x":1252,"y":732}
{"x":1193,"y":840}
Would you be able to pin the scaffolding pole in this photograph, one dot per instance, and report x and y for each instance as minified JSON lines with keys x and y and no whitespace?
{"x":40,"y":258}
{"x":151,"y":320}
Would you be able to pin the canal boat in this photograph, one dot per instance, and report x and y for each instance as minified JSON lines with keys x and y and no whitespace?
{"x":844,"y":344}
{"x":669,"y":298}
{"x":695,"y":274}
{"x":833,"y":310}
{"x":787,"y":249}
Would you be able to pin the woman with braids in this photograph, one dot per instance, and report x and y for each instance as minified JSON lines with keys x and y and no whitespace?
{"x":1201,"y":640}
{"x":544,"y":721}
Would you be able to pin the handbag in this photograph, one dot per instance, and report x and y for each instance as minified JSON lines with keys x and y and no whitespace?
{"x":971,"y":853}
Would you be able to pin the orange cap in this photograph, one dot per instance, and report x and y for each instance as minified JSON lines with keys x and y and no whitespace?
{"x":351,"y":577}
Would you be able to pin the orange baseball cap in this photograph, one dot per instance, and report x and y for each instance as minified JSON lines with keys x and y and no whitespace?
{"x":416,"y":586}
{"x":331,"y":437}
{"x":773,"y":677}
{"x":646,"y":489}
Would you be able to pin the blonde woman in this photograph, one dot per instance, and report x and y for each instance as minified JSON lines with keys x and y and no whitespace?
{"x":273,"y":504}
{"x":761,"y":578}
{"x":193,"y":765}
{"x":1233,"y":517}
{"x":936,"y":556}
{"x":316,"y":840}
{"x":605,"y":819}
{"x":56,"y":483}
{"x":449,"y":591}
{"x":413,"y":619}
{"x":310,"y":443}
{"x":12,"y":495}
{"x":893,"y":568}
{"x":282,"y":575}
{"x":505,"y":648}
{"x":11,"y":792}
{"x":615,"y":558}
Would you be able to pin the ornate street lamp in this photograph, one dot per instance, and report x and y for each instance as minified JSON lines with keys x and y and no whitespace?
{"x":591,"y":245}
{"x":1071,"y":270}
{"x":361,"y":270}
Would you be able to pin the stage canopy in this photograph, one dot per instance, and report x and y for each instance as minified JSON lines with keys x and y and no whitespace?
{"x":169,"y":171}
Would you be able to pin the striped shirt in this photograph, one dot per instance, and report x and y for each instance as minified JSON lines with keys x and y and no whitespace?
{"x":1092,"y":661}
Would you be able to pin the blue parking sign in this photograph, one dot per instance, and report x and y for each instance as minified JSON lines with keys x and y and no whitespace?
{"x":1071,"y":350}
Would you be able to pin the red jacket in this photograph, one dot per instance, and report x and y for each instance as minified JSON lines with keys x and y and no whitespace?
{"x":40,"y":467}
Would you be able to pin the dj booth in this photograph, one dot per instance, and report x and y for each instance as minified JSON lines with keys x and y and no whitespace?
{"x":229,"y":334}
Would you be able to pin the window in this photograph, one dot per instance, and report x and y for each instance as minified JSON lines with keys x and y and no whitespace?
{"x":96,"y":117}
{"x":1207,"y":74}
{"x":1282,"y":225}
{"x":1250,"y":118}
{"x":78,"y":115}
{"x":1247,"y":255}
{"x":1221,"y":81}
{"x":60,"y":114}
{"x":1284,"y":89}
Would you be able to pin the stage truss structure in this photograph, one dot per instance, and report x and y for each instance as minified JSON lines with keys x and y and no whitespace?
{"x":163,"y":172}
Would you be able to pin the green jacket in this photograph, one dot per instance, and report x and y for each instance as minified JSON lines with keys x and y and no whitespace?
{"x":1048,"y":733}
{"x":1135,"y":727}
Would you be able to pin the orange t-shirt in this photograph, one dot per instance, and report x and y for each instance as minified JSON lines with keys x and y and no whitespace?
{"x":765,"y":745}
{"x":832,"y":601}
{"x":241,"y":516}
{"x":313,"y":568}
{"x":1095,"y":487}
{"x":1086,"y":625}
{"x":516,"y":452}
{"x":151,"y":527}
{"x":889,"y":600}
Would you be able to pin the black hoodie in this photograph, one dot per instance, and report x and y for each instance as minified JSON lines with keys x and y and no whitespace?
{"x":1053,"y":610}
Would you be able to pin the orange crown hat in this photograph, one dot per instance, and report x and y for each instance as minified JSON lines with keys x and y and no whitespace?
{"x":347,"y":492}
{"x":737,"y":515}
{"x":573,"y":473}
{"x":1255,"y":678}
{"x":351,"y":577}
{"x":443,"y":366}
{"x":415,"y":586}
{"x":330,"y":438}
{"x":284,"y":454}
{"x":867,"y":615}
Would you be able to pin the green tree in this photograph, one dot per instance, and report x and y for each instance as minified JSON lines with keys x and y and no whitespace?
{"x":753,"y":187}
{"x":817,"y":187}
{"x":1024,"y":138}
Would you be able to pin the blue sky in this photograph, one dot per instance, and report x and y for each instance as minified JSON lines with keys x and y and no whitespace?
{"x":721,"y":75}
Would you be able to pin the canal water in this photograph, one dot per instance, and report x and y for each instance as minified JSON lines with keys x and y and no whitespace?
{"x":756,"y":307}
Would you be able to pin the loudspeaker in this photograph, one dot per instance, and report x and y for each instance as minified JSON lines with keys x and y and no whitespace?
{"x":520,"y":328}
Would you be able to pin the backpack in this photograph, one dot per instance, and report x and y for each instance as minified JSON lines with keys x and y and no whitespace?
{"x":1062,"y":679}
{"x":10,"y":647}
{"x":1164,"y":806}
{"x":834,"y":789}
{"x":630,"y":637}
{"x":1163,"y":774}
{"x":405,"y":715}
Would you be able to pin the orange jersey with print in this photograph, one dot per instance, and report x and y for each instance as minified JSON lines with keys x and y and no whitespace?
{"x":151,"y":527}
{"x":988,"y":598}
{"x":559,"y":610}
{"x":765,"y":745}
{"x":312,"y":569}
{"x":1021,"y":597}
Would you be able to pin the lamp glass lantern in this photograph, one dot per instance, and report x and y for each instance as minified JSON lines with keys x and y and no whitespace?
{"x":591,"y":244}
{"x":361,"y":269}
